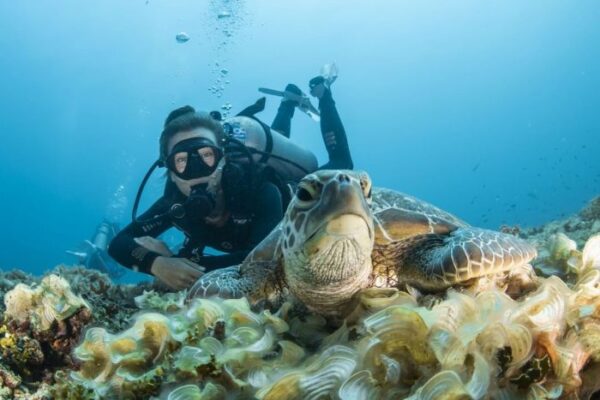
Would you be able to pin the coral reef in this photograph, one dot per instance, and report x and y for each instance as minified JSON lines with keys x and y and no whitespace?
{"x":43,"y":320}
{"x":466,"y":344}
{"x":52,"y":301}
{"x":10,"y":279}
{"x":211,"y":341}
{"x":41,"y":326}
{"x":558,"y":241}
{"x":166,"y":302}
{"x":47,"y":316}
{"x":592,"y":211}
{"x":579,"y":227}
{"x":75,"y":335}
{"x":113,"y":304}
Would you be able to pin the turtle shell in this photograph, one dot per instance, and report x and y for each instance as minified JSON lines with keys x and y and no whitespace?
{"x":398,"y":217}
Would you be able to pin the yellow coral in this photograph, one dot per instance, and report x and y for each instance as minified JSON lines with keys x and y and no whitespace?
{"x":242,"y":338}
{"x":8,"y":341}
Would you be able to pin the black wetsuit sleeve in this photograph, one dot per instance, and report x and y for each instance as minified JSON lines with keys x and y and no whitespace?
{"x":268,"y":211}
{"x":127,"y":252}
{"x":334,"y":135}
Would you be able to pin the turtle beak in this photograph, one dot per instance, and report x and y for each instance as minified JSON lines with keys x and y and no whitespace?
{"x":340,"y":197}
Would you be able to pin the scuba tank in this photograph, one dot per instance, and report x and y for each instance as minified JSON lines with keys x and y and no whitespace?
{"x":104,"y":234}
{"x":93,"y":253}
{"x":250,"y":135}
{"x":290,"y":161}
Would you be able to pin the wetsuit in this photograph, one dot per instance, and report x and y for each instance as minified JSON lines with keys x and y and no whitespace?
{"x":237,"y":237}
{"x":332,"y":130}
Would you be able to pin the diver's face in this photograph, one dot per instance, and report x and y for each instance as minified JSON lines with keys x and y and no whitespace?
{"x":207,"y":153}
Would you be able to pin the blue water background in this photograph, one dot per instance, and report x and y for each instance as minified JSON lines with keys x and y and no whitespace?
{"x":489,"y":110}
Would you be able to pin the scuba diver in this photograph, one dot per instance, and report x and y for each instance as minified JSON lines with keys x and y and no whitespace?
{"x":227,"y":186}
{"x":92,"y":253}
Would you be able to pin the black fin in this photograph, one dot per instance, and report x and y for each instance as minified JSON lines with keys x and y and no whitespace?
{"x":253,"y":109}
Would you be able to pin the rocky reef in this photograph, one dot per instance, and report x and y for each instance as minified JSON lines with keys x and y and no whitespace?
{"x":41,"y":326}
{"x":112,"y":304}
{"x":75,"y":335}
{"x":44,"y":319}
{"x":578,"y":227}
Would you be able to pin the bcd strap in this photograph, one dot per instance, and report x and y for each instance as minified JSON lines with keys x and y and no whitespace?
{"x":269,"y":137}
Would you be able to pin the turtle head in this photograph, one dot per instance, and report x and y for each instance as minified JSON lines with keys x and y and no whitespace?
{"x":328,"y":237}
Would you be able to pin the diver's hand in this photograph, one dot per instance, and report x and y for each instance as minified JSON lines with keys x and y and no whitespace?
{"x":155,"y":245}
{"x":177,"y":273}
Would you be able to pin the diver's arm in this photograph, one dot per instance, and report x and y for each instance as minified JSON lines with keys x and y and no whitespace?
{"x":211,"y":263}
{"x":124,"y":248}
{"x":268,"y":212}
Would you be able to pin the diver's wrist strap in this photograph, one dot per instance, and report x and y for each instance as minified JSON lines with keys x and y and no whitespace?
{"x":145,"y":263}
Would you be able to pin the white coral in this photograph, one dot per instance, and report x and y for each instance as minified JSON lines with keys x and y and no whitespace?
{"x":51,"y":301}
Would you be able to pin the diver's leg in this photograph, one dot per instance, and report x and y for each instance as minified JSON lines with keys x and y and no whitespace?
{"x":332,"y":129}
{"x":283,"y":120}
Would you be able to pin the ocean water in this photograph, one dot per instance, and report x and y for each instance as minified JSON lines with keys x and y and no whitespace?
{"x":489,"y":110}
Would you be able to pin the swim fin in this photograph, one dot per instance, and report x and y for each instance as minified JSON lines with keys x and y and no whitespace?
{"x":81,"y":256}
{"x":303,"y":101}
{"x":329,"y":72}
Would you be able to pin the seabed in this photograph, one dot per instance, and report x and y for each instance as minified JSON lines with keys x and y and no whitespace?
{"x":535,"y":334}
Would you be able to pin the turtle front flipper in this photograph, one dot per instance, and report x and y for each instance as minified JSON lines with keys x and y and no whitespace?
{"x":259,"y":277}
{"x":225,"y":283}
{"x":435,"y":261}
{"x":254,"y":280}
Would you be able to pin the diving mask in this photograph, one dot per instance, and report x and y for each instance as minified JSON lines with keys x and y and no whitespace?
{"x":194,"y":158}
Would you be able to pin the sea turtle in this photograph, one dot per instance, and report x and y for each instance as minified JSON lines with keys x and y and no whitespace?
{"x":340,"y":235}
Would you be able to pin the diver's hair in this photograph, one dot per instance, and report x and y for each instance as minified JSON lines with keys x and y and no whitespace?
{"x":178,"y":112}
{"x":186,"y":119}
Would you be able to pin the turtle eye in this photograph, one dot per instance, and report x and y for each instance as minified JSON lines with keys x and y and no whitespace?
{"x":369,"y":196}
{"x":367,"y":188}
{"x":304,"y":195}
